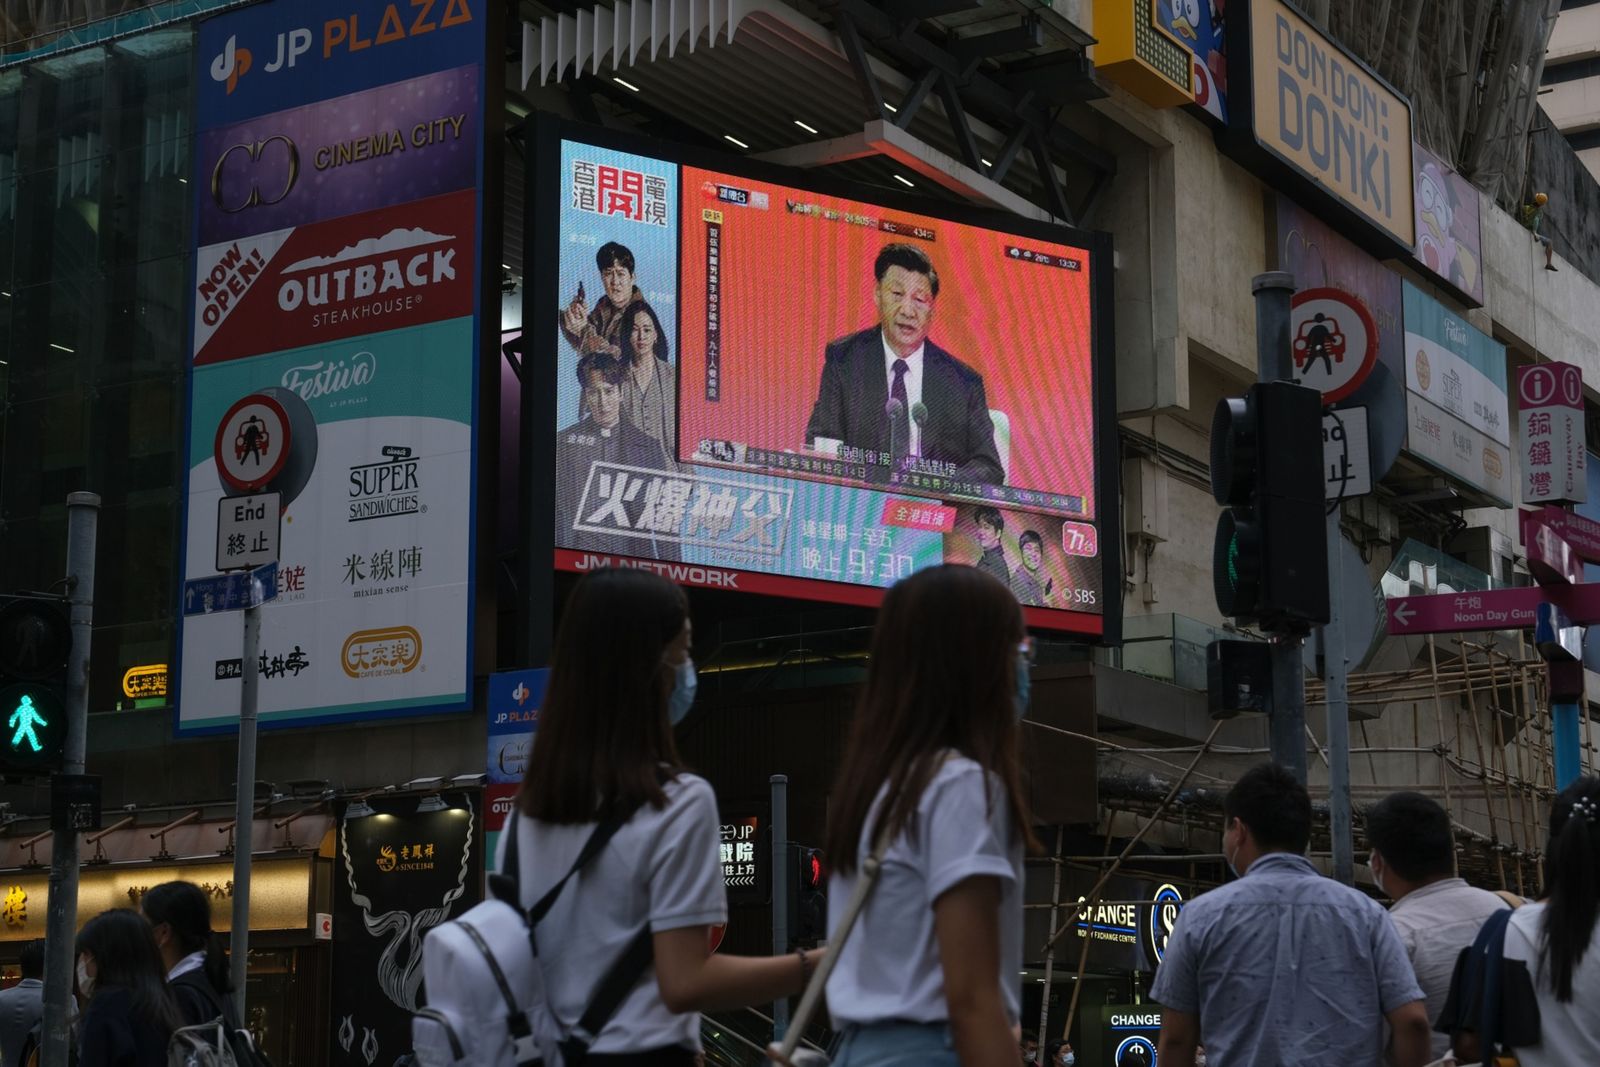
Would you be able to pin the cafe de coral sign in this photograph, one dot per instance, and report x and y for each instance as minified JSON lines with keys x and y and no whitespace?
{"x":1304,"y":110}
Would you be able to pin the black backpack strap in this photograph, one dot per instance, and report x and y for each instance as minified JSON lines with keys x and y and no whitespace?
{"x":608,"y":996}
{"x":506,"y":885}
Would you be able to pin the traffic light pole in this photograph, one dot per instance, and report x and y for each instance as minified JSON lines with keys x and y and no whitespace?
{"x":244,"y":804}
{"x":780,"y":892}
{"x":1286,"y":717}
{"x":1336,"y":673}
{"x":61,"y":916}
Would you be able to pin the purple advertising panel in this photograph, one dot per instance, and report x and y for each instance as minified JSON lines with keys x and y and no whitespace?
{"x":384,"y":146}
{"x":1449,"y":241}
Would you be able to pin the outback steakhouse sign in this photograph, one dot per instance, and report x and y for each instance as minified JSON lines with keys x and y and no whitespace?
{"x":379,"y":270}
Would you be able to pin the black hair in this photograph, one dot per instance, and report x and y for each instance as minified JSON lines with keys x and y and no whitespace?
{"x":1274,"y":805}
{"x":1571,"y":881}
{"x":613,"y":253}
{"x":31,"y":959}
{"x":125,"y":956}
{"x":989,"y":516}
{"x":604,"y":742}
{"x":185,"y":907}
{"x":1052,"y":1050}
{"x":1413,"y":833}
{"x":1030,"y":535}
{"x":631,"y":312}
{"x":609,"y":367}
{"x":906,"y":257}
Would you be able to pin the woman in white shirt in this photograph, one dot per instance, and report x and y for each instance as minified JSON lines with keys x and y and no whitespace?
{"x":620,"y":679}
{"x":930,"y":973}
{"x":1547,"y":1011}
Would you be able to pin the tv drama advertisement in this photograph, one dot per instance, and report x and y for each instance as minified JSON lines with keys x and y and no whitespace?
{"x":768,"y":389}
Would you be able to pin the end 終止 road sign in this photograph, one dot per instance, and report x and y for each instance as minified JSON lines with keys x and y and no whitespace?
{"x":252,"y":442}
{"x":247,"y":531}
{"x":230,"y":592}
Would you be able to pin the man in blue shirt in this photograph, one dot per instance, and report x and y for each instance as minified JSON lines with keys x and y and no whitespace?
{"x":1284,"y":966}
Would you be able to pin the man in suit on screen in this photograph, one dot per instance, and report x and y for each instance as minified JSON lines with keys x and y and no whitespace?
{"x":888,"y":389}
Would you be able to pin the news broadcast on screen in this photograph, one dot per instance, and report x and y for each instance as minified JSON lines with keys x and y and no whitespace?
{"x":764,"y":388}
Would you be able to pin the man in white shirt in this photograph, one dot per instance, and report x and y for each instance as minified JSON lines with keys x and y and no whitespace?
{"x":889,"y":391}
{"x":1436,"y":913}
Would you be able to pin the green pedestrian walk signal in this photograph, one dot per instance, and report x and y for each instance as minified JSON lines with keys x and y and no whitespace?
{"x":35,"y":639}
{"x":35,"y":728}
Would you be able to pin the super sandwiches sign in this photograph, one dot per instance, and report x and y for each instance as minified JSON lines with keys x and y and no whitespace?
{"x":1308,"y":115}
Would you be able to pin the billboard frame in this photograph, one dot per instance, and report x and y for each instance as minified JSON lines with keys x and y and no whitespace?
{"x":542,"y":238}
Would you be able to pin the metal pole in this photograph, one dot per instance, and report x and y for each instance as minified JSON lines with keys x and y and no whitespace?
{"x":780,"y":891}
{"x":1568,"y":743}
{"x":1336,"y":671}
{"x":61,"y":911}
{"x":1286,"y":716}
{"x":244,"y":805}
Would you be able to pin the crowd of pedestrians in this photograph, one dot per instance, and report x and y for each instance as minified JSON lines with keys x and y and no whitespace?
{"x":929,"y":825}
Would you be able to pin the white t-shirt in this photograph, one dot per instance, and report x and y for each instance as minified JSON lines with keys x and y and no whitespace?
{"x":1569,"y":1034}
{"x":663,"y":868}
{"x":889,"y":968}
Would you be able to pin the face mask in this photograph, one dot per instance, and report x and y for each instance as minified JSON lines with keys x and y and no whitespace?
{"x":85,"y":983}
{"x":684,"y":683}
{"x":1200,"y":1059}
{"x":1377,"y":879}
{"x":1227,"y":858}
{"x":1069,"y":1058}
{"x":1024,"y":683}
{"x":1029,"y":1057}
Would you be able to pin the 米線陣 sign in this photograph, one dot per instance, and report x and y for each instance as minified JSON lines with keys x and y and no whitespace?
{"x":1309,"y":113}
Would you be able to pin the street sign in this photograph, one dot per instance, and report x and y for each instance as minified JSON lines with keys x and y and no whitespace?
{"x":1335,"y":341}
{"x":1555,"y":636}
{"x":1347,"y":465}
{"x":1550,"y":558}
{"x":1494,"y":609}
{"x":1581,"y":533}
{"x":252,"y":442}
{"x":248,"y":530}
{"x":230,"y":592}
{"x":1551,"y":437}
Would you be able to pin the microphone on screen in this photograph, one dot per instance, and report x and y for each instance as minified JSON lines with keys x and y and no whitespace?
{"x":898,"y":430}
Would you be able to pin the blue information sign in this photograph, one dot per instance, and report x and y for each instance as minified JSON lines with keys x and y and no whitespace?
{"x":230,"y":592}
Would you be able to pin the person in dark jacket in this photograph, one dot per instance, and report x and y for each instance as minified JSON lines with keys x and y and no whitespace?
{"x":191,"y":955}
{"x":129,"y":1015}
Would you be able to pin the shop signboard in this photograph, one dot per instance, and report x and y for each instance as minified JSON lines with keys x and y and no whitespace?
{"x":1449,"y":236}
{"x":1458,"y":418}
{"x":336,"y":294}
{"x":741,"y":451}
{"x":1550,"y":446}
{"x":398,"y":873}
{"x":1199,"y":26}
{"x":1308,"y":115}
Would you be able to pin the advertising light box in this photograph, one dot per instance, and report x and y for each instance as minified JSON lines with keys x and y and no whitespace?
{"x":779,"y":389}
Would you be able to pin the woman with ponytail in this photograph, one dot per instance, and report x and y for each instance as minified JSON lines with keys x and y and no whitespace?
{"x":196,"y":966}
{"x":1550,"y":988}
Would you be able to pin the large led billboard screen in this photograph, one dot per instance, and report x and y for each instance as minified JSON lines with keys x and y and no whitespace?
{"x":772,"y":388}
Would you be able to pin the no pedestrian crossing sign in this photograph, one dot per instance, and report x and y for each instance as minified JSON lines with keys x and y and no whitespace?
{"x":252,"y":442}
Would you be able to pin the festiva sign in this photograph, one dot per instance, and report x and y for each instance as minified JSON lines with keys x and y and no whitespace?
{"x":1305,"y":110}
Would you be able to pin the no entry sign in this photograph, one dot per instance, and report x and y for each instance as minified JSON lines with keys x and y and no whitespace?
{"x":252,"y":442}
{"x":1335,"y":341}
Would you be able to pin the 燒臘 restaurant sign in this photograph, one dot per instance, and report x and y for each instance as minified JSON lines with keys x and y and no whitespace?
{"x":1307,"y":114}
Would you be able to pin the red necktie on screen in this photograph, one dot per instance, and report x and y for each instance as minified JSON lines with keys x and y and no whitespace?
{"x":900,"y":434}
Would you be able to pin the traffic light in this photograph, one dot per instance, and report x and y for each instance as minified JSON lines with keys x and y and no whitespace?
{"x":808,"y":896}
{"x":1270,"y":563}
{"x":35,"y":637}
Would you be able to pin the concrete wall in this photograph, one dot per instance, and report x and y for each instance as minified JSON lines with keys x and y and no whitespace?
{"x":1576,"y":36}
